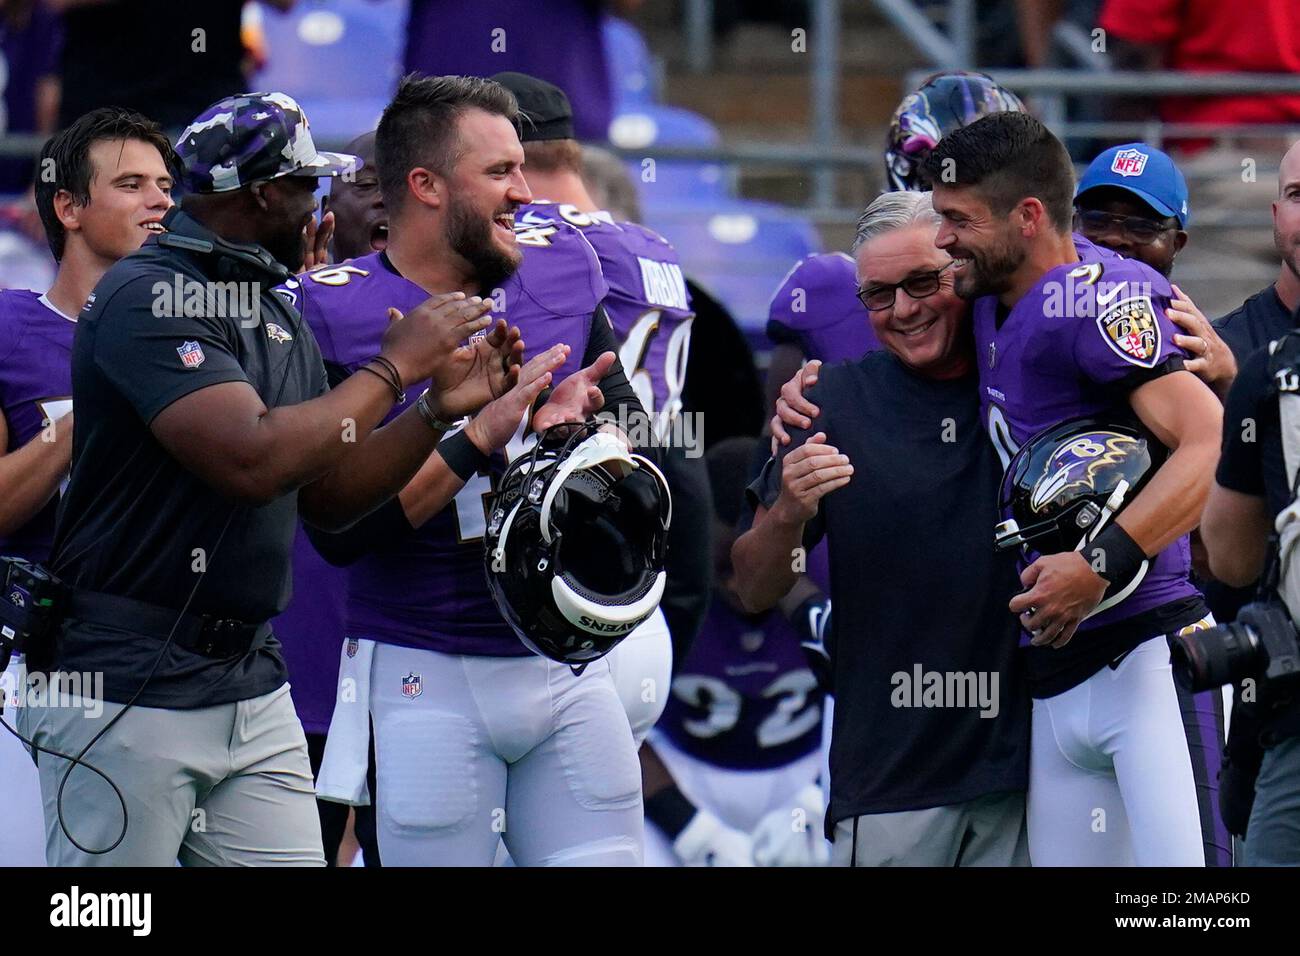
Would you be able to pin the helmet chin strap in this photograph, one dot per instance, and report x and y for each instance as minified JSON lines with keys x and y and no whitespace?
{"x":1113,"y":504}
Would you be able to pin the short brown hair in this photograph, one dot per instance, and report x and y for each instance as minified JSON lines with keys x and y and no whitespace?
{"x":418,"y":128}
{"x":1008,"y":157}
{"x":65,"y":161}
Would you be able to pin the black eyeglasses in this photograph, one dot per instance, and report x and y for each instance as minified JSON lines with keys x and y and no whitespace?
{"x":1094,"y":222}
{"x":880,"y":297}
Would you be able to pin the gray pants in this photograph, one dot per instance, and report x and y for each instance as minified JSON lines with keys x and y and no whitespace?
{"x":1273,"y":834}
{"x":986,"y":831}
{"x":229,"y":785}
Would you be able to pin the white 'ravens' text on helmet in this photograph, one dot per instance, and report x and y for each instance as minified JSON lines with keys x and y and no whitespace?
{"x":575,"y":545}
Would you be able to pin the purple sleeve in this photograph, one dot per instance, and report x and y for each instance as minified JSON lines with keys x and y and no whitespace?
{"x":1127,"y":338}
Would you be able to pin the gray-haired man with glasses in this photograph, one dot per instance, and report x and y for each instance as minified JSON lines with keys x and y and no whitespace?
{"x":929,"y":744}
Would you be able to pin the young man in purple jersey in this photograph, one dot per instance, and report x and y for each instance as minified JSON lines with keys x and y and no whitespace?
{"x":649,"y":310}
{"x":1064,"y":328}
{"x":112,"y":182}
{"x":476,"y":739}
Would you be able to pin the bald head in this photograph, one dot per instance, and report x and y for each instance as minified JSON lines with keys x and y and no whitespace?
{"x":1289,"y":172}
{"x":1286,"y":223}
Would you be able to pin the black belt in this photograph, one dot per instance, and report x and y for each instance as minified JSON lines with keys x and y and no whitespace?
{"x":220,"y":638}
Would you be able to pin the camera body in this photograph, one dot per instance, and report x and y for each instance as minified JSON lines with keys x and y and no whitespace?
{"x":30,"y":607}
{"x":1262,"y":643}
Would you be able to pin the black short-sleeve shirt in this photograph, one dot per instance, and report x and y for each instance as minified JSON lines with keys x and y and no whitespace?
{"x":133,"y":521}
{"x":1259,"y":320}
{"x":1251,"y":460}
{"x":918,"y":590}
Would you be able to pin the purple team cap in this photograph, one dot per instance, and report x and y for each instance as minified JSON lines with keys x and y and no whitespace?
{"x":252,"y":137}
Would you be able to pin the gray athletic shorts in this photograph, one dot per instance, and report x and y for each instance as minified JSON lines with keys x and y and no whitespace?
{"x":987,"y":831}
{"x":228,"y":785}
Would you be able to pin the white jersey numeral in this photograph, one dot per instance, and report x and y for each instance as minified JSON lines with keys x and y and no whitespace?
{"x":792,"y":717}
{"x":1000,"y":432}
{"x":471,"y":501}
{"x":632,"y":356}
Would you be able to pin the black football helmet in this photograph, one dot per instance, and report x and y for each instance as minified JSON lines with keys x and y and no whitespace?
{"x":943,"y":103}
{"x":1069,"y":481}
{"x":575,"y":545}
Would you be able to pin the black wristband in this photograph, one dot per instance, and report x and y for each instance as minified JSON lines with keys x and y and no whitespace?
{"x":1114,"y":555}
{"x":462,"y":456}
{"x":398,"y":395}
{"x":670,"y":811}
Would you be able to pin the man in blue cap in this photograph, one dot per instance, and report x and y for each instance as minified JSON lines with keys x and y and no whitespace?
{"x":1133,"y":199}
{"x":206,"y":425}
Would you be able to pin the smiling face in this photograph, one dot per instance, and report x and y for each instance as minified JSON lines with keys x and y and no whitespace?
{"x":931,"y":334}
{"x":485,"y":187}
{"x":988,"y":247}
{"x":130,"y":190}
{"x":1158,"y":254}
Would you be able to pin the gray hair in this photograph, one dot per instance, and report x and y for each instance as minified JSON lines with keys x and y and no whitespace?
{"x":890,"y":211}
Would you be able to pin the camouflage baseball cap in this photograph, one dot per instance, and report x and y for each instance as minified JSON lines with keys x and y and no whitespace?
{"x":252,"y":137}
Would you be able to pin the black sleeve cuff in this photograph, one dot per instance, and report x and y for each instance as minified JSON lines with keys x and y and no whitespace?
{"x":462,"y":455}
{"x":670,"y":811}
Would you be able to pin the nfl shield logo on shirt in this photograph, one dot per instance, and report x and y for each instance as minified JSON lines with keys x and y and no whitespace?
{"x":191,"y":354}
{"x":1129,"y":162}
{"x":412,"y":686}
{"x":352,"y":647}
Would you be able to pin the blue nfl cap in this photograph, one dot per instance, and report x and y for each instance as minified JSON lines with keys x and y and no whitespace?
{"x":1145,"y":172}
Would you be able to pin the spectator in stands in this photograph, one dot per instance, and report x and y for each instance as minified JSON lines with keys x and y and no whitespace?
{"x":189,"y":61}
{"x":559,"y":41}
{"x":31,"y":37}
{"x":1208,"y":36}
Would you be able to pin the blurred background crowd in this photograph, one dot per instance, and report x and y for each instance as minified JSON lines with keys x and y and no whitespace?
{"x":752,"y":129}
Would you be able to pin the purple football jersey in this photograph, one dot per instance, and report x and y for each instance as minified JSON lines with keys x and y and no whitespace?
{"x":35,"y":389}
{"x":816,"y":308}
{"x":744,"y":698}
{"x":1065,"y":350}
{"x":311,"y":633}
{"x":429,"y":590}
{"x":648,"y":304}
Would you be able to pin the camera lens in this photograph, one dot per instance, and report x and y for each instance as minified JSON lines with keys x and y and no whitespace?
{"x":1203,"y":660}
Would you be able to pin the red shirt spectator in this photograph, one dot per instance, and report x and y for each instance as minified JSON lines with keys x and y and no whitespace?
{"x":1214,"y":36}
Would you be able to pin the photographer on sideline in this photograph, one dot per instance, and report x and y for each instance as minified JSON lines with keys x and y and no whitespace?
{"x":1254,"y":492}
